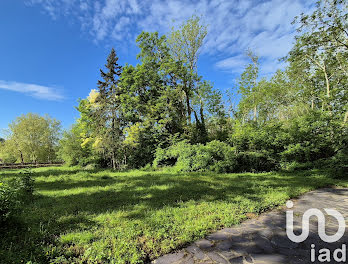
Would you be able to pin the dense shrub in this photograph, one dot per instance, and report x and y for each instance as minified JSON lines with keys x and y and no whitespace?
{"x":214,"y":156}
{"x":223,"y":157}
{"x":338,"y":165}
{"x":13,"y":195}
{"x":255,"y":162}
{"x":183,"y":156}
{"x":25,"y":183}
{"x":312,"y":137}
{"x":304,"y":142}
{"x":9,"y":201}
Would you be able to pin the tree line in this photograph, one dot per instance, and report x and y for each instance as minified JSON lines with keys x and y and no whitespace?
{"x":161,"y":112}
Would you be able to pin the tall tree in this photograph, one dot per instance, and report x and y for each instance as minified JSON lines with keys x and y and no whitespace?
{"x":322,"y":51}
{"x":248,"y":87}
{"x":184,"y":45}
{"x":106,"y":113}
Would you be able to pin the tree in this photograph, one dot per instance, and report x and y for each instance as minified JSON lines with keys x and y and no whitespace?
{"x":248,"y":87}
{"x":152,"y":101}
{"x":33,"y":138}
{"x":322,"y":51}
{"x":5,"y":152}
{"x":105,"y":112}
{"x":184,"y":45}
{"x":73,"y":147}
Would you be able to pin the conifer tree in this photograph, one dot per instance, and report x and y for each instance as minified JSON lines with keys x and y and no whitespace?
{"x":108,"y":114}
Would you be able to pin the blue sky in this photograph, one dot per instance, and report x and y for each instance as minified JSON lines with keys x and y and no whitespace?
{"x":51,"y":50}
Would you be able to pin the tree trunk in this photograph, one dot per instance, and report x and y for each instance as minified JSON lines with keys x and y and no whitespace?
{"x":196,"y":117}
{"x":327,"y":82}
{"x":113,"y":160}
{"x":188,"y":107}
{"x":323,"y":68}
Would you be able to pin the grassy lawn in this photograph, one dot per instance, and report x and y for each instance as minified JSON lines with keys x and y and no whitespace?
{"x":133,"y":217}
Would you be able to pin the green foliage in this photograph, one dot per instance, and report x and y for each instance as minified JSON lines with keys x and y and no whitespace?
{"x":9,"y":202}
{"x":297,"y":115}
{"x":296,"y":166}
{"x":255,"y":162}
{"x":305,"y":139}
{"x":319,"y":57}
{"x":103,"y":115}
{"x":337,"y":165}
{"x":312,"y":137}
{"x":162,"y":112}
{"x":6,"y":152}
{"x":25,"y":184}
{"x":137,"y":108}
{"x":32,"y":138}
{"x":214,"y":156}
{"x":14,"y":194}
{"x":184,"y":156}
{"x":249,"y":89}
{"x":74,"y":150}
{"x":222,"y":157}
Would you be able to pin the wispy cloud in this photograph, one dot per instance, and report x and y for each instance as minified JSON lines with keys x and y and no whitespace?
{"x":234,"y":25}
{"x":237,"y":63}
{"x":34,"y":90}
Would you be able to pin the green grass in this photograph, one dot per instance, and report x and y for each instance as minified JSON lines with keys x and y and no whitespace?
{"x":133,"y":217}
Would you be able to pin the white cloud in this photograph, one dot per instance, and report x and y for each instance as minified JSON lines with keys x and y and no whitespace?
{"x":117,"y":32}
{"x":235,"y":63}
{"x":234,"y":25}
{"x":34,"y":90}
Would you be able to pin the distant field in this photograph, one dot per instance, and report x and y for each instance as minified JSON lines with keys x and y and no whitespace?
{"x":132,"y":217}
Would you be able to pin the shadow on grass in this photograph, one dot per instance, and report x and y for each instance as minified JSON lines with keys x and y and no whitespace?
{"x":136,"y":196}
{"x":62,"y":172}
{"x":154,"y":191}
{"x":18,"y":242}
{"x":65,"y":185}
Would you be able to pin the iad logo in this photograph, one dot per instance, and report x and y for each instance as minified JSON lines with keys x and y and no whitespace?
{"x":325,"y":254}
{"x":321,"y":224}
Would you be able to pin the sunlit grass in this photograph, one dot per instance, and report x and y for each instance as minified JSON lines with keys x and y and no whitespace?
{"x":105,"y":216}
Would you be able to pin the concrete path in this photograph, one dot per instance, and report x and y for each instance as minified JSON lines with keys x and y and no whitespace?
{"x":264,"y":239}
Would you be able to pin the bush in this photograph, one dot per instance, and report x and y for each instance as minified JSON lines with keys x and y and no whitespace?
{"x":214,"y":156}
{"x":315,"y":136}
{"x":25,"y":184}
{"x":338,"y":165}
{"x":255,"y":162}
{"x":13,"y":195}
{"x":296,"y":152}
{"x":183,"y":156}
{"x":9,"y":201}
{"x":223,"y":157}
